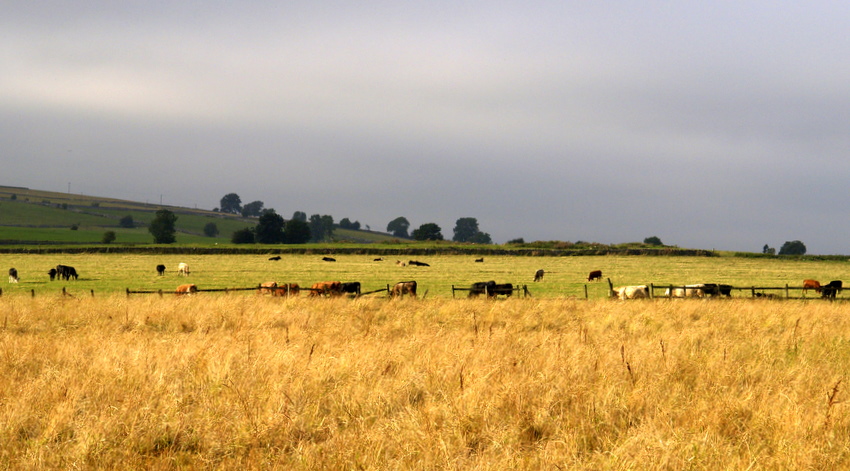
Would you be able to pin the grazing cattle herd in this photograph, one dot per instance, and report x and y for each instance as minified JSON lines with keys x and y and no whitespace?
{"x":490,"y":289}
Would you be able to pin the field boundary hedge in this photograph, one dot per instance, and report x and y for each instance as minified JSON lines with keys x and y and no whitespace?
{"x":380,"y":251}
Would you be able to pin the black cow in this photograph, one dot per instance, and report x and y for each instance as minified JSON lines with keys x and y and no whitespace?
{"x":416,"y":263}
{"x":829,"y":291}
{"x":13,"y":275}
{"x":714,"y":289}
{"x":352,"y":287}
{"x":506,"y":289}
{"x":276,"y":257}
{"x":52,"y":274}
{"x":65,"y":272}
{"x":479,"y":260}
{"x":160,"y":269}
{"x":538,"y":275}
{"x":482,"y":287}
{"x":328,"y":259}
{"x":595,"y":275}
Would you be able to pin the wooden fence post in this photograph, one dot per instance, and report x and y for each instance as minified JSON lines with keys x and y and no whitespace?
{"x":585,"y":291}
{"x":786,"y":291}
{"x":128,"y":292}
{"x":610,"y":288}
{"x":92,"y":293}
{"x":651,"y":291}
{"x":33,"y":292}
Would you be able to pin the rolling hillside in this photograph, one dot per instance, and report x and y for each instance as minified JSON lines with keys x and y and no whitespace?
{"x":42,"y":217}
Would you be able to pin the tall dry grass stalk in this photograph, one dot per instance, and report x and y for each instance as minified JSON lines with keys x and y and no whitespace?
{"x":261,"y":383}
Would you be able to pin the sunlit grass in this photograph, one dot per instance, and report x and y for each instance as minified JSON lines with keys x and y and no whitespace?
{"x":259,"y":382}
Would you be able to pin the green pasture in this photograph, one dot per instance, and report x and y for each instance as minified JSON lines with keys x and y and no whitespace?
{"x":565,"y":276}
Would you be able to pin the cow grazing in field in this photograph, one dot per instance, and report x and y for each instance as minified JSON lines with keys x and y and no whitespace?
{"x":811,"y":284}
{"x":482,"y":287}
{"x":379,"y":259}
{"x":287,"y":289}
{"x":689,"y":291}
{"x":279,"y":289}
{"x":326,"y":288}
{"x":416,"y":263}
{"x":403,"y":288}
{"x":400,"y":263}
{"x":352,"y":287}
{"x":186,"y":289}
{"x":275,"y":258}
{"x":182,"y":269}
{"x":632,"y":292}
{"x":328,"y":259}
{"x":65,"y":272}
{"x":505,"y":289}
{"x":160,"y":269}
{"x":267,"y":287}
{"x":828,"y":291}
{"x":479,"y":260}
{"x":538,"y":275}
{"x":13,"y":275}
{"x":52,"y":274}
{"x":595,"y":275}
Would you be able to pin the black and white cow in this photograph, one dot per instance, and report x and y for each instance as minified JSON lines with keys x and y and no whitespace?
{"x":13,"y":275}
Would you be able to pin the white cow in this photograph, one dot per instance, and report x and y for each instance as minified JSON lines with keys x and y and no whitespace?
{"x":632,"y":292}
{"x":689,"y":291}
{"x":183,"y":269}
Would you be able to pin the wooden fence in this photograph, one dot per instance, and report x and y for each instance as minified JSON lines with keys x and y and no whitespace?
{"x":497,"y":291}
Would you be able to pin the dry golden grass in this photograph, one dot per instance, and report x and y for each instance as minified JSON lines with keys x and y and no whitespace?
{"x":266,"y":383}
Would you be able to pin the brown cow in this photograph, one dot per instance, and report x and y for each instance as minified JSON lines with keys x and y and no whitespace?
{"x":267,"y":287}
{"x":538,"y":275}
{"x":595,"y":275}
{"x":326,"y":288}
{"x":403,"y":288}
{"x":284,"y":289}
{"x":811,"y":284}
{"x":186,"y":289}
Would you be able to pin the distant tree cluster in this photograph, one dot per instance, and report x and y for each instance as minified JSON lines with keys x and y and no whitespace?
{"x":345,"y":223}
{"x":654,"y":240}
{"x":794,"y":247}
{"x":466,"y":230}
{"x":272,"y":229}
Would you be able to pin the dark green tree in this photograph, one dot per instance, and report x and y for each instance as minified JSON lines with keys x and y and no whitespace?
{"x":794,"y":247}
{"x":127,"y":222}
{"x":428,"y":231}
{"x":269,"y":229}
{"x":210,"y":229}
{"x":162,"y":227}
{"x":299,"y":216}
{"x":465,"y":229}
{"x":296,"y":231}
{"x":345,"y":223}
{"x":321,"y":227}
{"x":398,"y":227}
{"x":252,"y":209}
{"x":108,"y":237}
{"x":481,"y":238}
{"x":231,"y":203}
{"x":243,"y":236}
{"x":654,"y":240}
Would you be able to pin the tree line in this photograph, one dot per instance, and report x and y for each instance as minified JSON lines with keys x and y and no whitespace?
{"x":272,"y":228}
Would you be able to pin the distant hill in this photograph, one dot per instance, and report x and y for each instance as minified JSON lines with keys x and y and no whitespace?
{"x":44,"y":217}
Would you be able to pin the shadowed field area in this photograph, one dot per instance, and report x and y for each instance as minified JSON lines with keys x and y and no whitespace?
{"x":256,"y":382}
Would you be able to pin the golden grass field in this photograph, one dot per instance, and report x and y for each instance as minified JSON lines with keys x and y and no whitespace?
{"x":250,"y":382}
{"x":242,"y":381}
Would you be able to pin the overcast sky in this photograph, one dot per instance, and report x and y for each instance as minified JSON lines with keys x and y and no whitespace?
{"x":717,"y":125}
